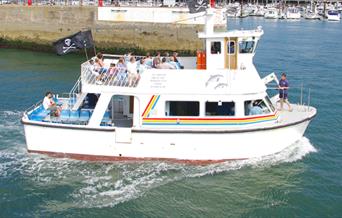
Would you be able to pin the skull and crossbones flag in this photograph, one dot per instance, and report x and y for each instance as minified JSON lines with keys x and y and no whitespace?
{"x":196,"y":6}
{"x":82,"y":39}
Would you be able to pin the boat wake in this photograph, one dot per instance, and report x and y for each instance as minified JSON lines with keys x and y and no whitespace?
{"x":109,"y":184}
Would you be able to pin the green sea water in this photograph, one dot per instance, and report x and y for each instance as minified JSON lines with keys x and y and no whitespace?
{"x":305,"y":180}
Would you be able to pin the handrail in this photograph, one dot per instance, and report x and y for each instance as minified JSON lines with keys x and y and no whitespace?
{"x":120,"y":77}
{"x":76,"y":89}
{"x":112,"y":56}
{"x":33,"y":107}
{"x":301,"y":100}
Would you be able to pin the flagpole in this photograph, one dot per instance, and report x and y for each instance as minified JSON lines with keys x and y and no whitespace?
{"x":85,"y":49}
{"x":94,"y":50}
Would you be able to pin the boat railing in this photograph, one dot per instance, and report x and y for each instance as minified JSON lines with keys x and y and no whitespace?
{"x":113,"y":77}
{"x":76,"y":89}
{"x":32,"y":107}
{"x":303,"y":99}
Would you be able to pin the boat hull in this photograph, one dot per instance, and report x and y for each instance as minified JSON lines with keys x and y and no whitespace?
{"x":333,"y":18}
{"x":107,"y":144}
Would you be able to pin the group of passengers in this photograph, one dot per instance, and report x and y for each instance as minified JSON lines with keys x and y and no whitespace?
{"x":129,"y":68}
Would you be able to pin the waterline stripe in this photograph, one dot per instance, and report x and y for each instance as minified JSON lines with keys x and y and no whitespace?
{"x":204,"y":121}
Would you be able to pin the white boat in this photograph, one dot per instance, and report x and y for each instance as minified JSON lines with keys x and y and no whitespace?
{"x":245,"y":12}
{"x":260,"y":12}
{"x":233,"y":12}
{"x":293,"y":13}
{"x":339,"y":8}
{"x":333,"y":15}
{"x":309,"y":15}
{"x":271,"y":13}
{"x":201,"y":113}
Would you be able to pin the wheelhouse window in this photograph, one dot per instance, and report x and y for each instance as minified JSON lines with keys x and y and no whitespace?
{"x":182,"y":108}
{"x":256,"y":107}
{"x":219,"y":108}
{"x":246,"y":46}
{"x":215,"y":47}
{"x":231,"y":47}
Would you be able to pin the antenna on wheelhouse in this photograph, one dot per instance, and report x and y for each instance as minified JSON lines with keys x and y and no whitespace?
{"x":209,"y":19}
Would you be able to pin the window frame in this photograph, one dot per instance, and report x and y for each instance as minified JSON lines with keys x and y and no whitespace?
{"x":228,"y":46}
{"x":212,"y":44}
{"x":222,"y":102}
{"x":183,"y":101}
{"x":260,"y":99}
{"x":247,"y":41}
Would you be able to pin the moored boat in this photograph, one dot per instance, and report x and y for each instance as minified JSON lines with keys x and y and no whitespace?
{"x":271,"y":13}
{"x":309,"y":15}
{"x":333,"y":15}
{"x":293,"y":13}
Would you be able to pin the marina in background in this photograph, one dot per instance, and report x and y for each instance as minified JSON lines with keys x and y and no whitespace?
{"x":294,"y":9}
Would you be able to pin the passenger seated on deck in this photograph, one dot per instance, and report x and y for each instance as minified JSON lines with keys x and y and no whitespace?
{"x":148,"y":60}
{"x":173,"y":63}
{"x":156,"y":60}
{"x":133,"y":75}
{"x":165,"y":65}
{"x":92,"y":66}
{"x":121,"y":66}
{"x":94,"y":71}
{"x":50,"y":104}
{"x":167,"y":56}
{"x":142,"y":66}
{"x":100,"y":61}
{"x":99,"y":67}
{"x":255,"y":109}
{"x":175,"y":56}
{"x":127,"y":57}
{"x":100,"y":71}
{"x":112,"y":71}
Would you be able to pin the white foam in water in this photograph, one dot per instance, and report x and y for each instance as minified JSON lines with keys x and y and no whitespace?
{"x":135,"y":182}
{"x":108,"y":184}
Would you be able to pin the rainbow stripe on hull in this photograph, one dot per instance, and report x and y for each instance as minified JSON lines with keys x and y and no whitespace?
{"x":198,"y":121}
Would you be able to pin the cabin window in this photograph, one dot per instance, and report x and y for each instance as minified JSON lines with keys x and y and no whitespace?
{"x":246,"y":46}
{"x":231,"y":47}
{"x":219,"y":108}
{"x":182,"y":108}
{"x":215,"y":47}
{"x":256,"y":107}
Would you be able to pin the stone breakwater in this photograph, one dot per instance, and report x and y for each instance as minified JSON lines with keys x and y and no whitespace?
{"x":37,"y":27}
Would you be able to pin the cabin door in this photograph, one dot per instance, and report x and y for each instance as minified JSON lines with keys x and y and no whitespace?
{"x":231,"y":53}
{"x":123,"y":110}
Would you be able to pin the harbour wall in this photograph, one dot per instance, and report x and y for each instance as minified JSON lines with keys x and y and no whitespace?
{"x":36,"y":27}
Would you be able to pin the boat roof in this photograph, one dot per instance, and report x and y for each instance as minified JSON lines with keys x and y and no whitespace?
{"x":233,"y":33}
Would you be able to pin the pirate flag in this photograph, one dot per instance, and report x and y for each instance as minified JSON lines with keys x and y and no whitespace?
{"x":196,"y":6}
{"x":74,"y":42}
